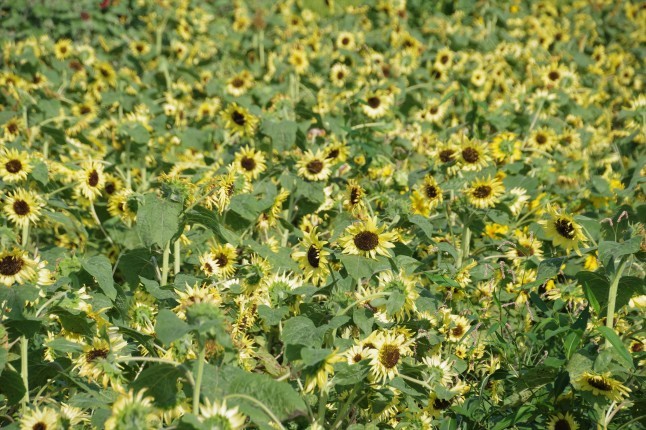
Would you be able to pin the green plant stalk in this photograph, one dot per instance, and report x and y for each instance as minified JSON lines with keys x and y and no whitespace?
{"x":322,"y":402}
{"x":177,"y":262}
{"x":165,"y":264}
{"x":198,"y":378}
{"x":24,"y":369}
{"x":464,"y":247}
{"x":25,"y":235}
{"x":612,"y":297}
{"x":344,"y":409}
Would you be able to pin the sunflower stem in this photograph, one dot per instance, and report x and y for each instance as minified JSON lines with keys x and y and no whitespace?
{"x":344,"y":409}
{"x":25,"y":235}
{"x":612,"y":296}
{"x":177,"y":258}
{"x":464,"y":246}
{"x":320,"y":416}
{"x":165,"y":264}
{"x":198,"y":378}
{"x":24,"y":370}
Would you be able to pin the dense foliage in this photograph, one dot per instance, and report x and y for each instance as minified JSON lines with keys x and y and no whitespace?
{"x":322,"y":214}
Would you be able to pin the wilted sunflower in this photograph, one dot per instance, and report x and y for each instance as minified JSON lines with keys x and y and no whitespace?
{"x":14,"y":165}
{"x":312,"y":258}
{"x":132,"y":411}
{"x":40,"y":419}
{"x":250,"y":162}
{"x":376,"y":104}
{"x":366,"y":239}
{"x":601,"y":384}
{"x":388,"y":351}
{"x":16,"y":267}
{"x":313,"y":167}
{"x":238,"y":120}
{"x":23,"y":207}
{"x":217,"y":415}
{"x":562,"y":422}
{"x":485,"y":193}
{"x":563,"y":230}
{"x":91,"y":179}
{"x":354,"y":202}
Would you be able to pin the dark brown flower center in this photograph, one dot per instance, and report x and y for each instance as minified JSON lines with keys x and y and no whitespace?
{"x":541,"y":139}
{"x":39,"y":426}
{"x":85,"y":110}
{"x":470,"y":155}
{"x":482,"y":192}
{"x":374,"y":102}
{"x":441,"y":404}
{"x":446,"y":155}
{"x":104,"y":72}
{"x":600,"y":383}
{"x":553,"y":75}
{"x":565,"y":228}
{"x":21,"y":207}
{"x":345,"y":41}
{"x":340,"y":75}
{"x":315,"y":166}
{"x":13,"y":166}
{"x":110,"y":187}
{"x":444,"y":59}
{"x":313,"y":256}
{"x":12,"y":128}
{"x":96,"y":353}
{"x":562,"y":424}
{"x":248,"y":163}
{"x":10,"y":265}
{"x":355,"y":195}
{"x":366,"y":240}
{"x":433,"y":110}
{"x":221,"y":260}
{"x":93,"y":178}
{"x":389,"y":356}
{"x":431,"y":191}
{"x":357,"y":358}
{"x":237,"y":82}
{"x":238,"y":118}
{"x":333,"y":154}
{"x":457,"y":331}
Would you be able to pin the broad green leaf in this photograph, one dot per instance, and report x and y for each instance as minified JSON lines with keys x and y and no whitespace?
{"x":157,"y":220}
{"x":362,"y":267}
{"x":618,"y":345}
{"x":99,"y":266}
{"x":611,"y":249}
{"x":11,"y":386}
{"x":160,"y":382}
{"x":169,"y":327}
{"x":312,"y":356}
{"x":155,"y":290}
{"x":301,"y":330}
{"x":282,"y":134}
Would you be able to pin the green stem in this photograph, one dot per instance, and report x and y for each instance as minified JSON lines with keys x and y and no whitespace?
{"x":612,"y":297}
{"x":25,"y":235}
{"x":363,"y":299}
{"x":24,"y":370}
{"x":322,"y":402}
{"x":344,"y":409}
{"x":165,"y":264}
{"x":177,"y":258}
{"x":198,"y":379}
{"x":464,"y":246}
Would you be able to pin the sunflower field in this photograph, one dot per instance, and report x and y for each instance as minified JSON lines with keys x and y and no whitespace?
{"x":312,"y":214}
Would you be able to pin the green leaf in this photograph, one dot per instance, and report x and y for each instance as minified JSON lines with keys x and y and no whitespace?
{"x":4,"y":356}
{"x":157,"y":220}
{"x":40,"y":173}
{"x":99,"y":266}
{"x":137,"y":132}
{"x":619,"y":346}
{"x":169,"y":327}
{"x":572,"y":342}
{"x":301,"y":330}
{"x":395,"y":302}
{"x":611,"y":249}
{"x":549,"y":268}
{"x":160,"y":381}
{"x":364,"y":319}
{"x":282,"y":134}
{"x":595,"y":287}
{"x":11,"y":386}
{"x":272,"y":316}
{"x":208,"y":219}
{"x":423,"y":223}
{"x":155,"y":290}
{"x":312,"y":356}
{"x":629,"y":286}
{"x":362,"y":267}
{"x":64,"y":345}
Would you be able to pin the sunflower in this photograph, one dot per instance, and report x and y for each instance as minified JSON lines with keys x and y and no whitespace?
{"x":119,"y":206}
{"x":23,"y":207}
{"x":562,"y":422}
{"x":85,"y":111}
{"x":336,"y":151}
{"x":313,"y":167}
{"x":298,"y":59}
{"x":354,"y":202}
{"x":485,"y":193}
{"x":40,"y":419}
{"x":196,"y":294}
{"x":443,"y":59}
{"x":217,"y":415}
{"x":473,"y":156}
{"x":239,"y":84}
{"x":250,"y":162}
{"x":104,"y":72}
{"x":506,"y":148}
{"x":346,"y":40}
{"x":132,"y":411}
{"x":528,"y":247}
{"x":63,"y":49}
{"x":312,"y":258}
{"x":543,"y":138}
{"x":401,"y":284}
{"x":440,"y":372}
{"x":356,"y":354}
{"x":91,"y":179}
{"x":97,"y":361}
{"x":376,"y":104}
{"x":139,"y":48}
{"x":220,"y":261}
{"x":601,"y":384}
{"x":389,"y":348}
{"x":366,"y":239}
{"x":563,"y":230}
{"x":339,"y":74}
{"x":426,"y":197}
{"x":317,"y":375}
{"x":238,"y":120}
{"x":14,"y":165}
{"x":16,"y":267}
{"x":455,"y":327}
{"x":12,"y":128}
